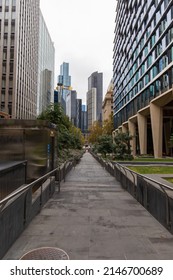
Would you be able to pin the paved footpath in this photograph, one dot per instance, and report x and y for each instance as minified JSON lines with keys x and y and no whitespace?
{"x":94,"y":218}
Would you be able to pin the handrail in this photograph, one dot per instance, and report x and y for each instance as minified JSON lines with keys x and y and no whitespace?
{"x":162,"y":186}
{"x":145,"y":177}
{"x":28,"y":186}
{"x":117,"y":167}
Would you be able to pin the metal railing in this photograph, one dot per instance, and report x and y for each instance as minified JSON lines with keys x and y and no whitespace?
{"x":19,"y":208}
{"x":141,"y":188}
{"x":60,"y":173}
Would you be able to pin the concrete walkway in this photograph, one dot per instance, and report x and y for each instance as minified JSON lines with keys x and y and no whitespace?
{"x":94,"y":218}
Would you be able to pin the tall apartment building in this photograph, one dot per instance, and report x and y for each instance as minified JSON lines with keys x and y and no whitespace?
{"x":19,"y":42}
{"x":143,"y":74}
{"x":46,"y":61}
{"x":95,"y":81}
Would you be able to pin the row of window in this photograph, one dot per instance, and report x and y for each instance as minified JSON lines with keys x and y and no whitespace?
{"x":158,"y":87}
{"x":153,"y":59}
{"x":128,"y":68}
{"x":148,"y":71}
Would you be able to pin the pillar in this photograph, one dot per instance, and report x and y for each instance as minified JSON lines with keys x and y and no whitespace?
{"x":156,"y":113}
{"x":132,"y":132}
{"x":124,"y":129}
{"x":142,"y":130}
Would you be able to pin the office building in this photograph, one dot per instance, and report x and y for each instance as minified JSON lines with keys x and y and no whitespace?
{"x":46,"y":62}
{"x":19,"y":42}
{"x":71,"y":106}
{"x":64,"y":80}
{"x":95,"y":81}
{"x":91,"y":107}
{"x":143,"y":74}
{"x":84,"y":118}
{"x":79,"y":113}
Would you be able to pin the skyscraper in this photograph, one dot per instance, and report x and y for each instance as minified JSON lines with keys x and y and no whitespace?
{"x":84,"y":126}
{"x":19,"y":29}
{"x":79,"y":113}
{"x":64,"y":79}
{"x":91,"y":107}
{"x":46,"y":62}
{"x":143,"y":74}
{"x":95,"y":81}
{"x":71,"y":106}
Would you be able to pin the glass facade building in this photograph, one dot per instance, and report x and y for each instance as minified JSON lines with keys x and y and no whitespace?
{"x":71,"y":106}
{"x":95,"y":81}
{"x":64,"y":79}
{"x":91,"y":107}
{"x":46,"y":64}
{"x":79,"y":113}
{"x":143,"y":74}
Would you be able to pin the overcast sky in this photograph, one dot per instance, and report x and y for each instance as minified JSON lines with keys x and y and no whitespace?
{"x":83,"y":34}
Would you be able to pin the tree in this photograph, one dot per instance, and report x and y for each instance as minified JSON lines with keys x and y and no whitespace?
{"x":105,"y":144}
{"x":94,"y":132}
{"x":68,"y":136}
{"x":122,"y":148}
{"x":108,"y":125}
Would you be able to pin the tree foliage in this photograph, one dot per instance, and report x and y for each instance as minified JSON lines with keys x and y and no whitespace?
{"x":95,"y":132}
{"x":104,"y":145}
{"x":122,"y":147}
{"x":108,"y":126}
{"x":68,"y":136}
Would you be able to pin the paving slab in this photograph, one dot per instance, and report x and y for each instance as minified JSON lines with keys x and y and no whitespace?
{"x":93,"y":217}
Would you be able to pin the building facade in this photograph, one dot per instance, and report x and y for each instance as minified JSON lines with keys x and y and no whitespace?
{"x":84,"y":119}
{"x":91,"y":107}
{"x":107,"y":105}
{"x":95,"y":81}
{"x":79,"y":113}
{"x":71,"y":106}
{"x":143,"y":74}
{"x":64,"y":79}
{"x":19,"y":42}
{"x":46,"y":64}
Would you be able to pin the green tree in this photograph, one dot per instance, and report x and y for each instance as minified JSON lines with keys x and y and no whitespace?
{"x":105,"y":144}
{"x":108,"y":125}
{"x":68,"y":136}
{"x":95,"y":132}
{"x":122,"y":147}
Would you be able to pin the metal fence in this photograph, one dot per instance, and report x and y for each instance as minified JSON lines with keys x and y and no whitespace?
{"x":20,"y":207}
{"x":155,"y":196}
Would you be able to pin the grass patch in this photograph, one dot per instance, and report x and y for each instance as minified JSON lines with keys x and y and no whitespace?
{"x":169,"y":179}
{"x":152,"y":169}
{"x":153,"y":160}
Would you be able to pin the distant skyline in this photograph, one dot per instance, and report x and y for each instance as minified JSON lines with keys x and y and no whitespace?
{"x":83,"y":34}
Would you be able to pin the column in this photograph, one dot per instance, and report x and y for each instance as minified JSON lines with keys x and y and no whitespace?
{"x":124,"y":128}
{"x":142,"y":129}
{"x":132,"y":132}
{"x":157,"y":128}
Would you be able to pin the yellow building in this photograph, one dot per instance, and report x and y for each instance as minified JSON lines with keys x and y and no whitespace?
{"x":107,"y":105}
